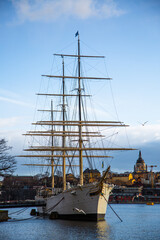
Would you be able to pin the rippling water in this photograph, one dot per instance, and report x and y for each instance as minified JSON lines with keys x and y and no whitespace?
{"x":139,"y":222}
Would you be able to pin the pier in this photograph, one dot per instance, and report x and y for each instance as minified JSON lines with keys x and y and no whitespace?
{"x":29,"y":203}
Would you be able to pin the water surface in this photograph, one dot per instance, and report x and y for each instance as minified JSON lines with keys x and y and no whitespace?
{"x":139,"y":222}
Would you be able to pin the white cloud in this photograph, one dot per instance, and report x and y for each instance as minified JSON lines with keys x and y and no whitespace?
{"x":12,"y":129}
{"x":49,"y":10}
{"x":8,"y":122}
{"x":139,"y":135}
{"x":10,"y":94}
{"x":10,"y":100}
{"x":11,"y":97}
{"x":13,"y":124}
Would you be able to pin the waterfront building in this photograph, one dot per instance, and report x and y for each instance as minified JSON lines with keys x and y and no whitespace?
{"x":121,"y":179}
{"x":91,"y":175}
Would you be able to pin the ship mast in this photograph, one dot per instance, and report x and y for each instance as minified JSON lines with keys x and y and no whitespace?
{"x":52,"y":159}
{"x":80,"y":114}
{"x":63,"y":137}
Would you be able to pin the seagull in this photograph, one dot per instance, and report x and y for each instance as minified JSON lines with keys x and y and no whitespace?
{"x":143,"y":123}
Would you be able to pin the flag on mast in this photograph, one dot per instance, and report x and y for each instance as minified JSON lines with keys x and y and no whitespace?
{"x":102,"y":164}
{"x":76,"y":34}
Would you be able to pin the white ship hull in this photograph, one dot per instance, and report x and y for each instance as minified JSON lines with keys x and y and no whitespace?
{"x":88,"y":202}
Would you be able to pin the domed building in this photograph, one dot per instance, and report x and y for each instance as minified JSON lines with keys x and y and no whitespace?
{"x":140,"y":166}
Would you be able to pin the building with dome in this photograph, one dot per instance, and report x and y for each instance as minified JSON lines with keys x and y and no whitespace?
{"x":141,"y":174}
{"x":140,"y":166}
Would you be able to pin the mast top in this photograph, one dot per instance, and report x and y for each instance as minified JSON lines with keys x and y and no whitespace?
{"x":78,"y":55}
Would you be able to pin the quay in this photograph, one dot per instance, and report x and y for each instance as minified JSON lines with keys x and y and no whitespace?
{"x":3,"y":215}
{"x":29,"y":203}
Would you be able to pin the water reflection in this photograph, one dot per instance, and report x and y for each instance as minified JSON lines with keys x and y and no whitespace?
{"x":83,"y":230}
{"x":103,"y":230}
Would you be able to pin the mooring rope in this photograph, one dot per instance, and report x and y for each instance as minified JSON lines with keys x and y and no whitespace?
{"x":112,"y":208}
{"x":51,"y":208}
{"x":19,"y":211}
{"x":23,"y":219}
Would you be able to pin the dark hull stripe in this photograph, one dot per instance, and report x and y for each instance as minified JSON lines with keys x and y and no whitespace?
{"x":80,"y":217}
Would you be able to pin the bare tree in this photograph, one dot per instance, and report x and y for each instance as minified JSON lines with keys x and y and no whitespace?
{"x":7,"y":162}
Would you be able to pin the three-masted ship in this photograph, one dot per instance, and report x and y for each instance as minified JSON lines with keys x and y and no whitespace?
{"x":83,"y":201}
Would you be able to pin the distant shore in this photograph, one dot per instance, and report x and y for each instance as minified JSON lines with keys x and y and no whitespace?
{"x":133,"y":202}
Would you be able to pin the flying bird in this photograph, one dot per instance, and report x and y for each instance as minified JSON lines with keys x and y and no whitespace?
{"x":143,"y":123}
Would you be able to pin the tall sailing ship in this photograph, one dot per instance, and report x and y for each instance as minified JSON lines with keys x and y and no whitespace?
{"x":69,"y":141}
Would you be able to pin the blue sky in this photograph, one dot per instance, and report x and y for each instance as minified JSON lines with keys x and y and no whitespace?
{"x":126,"y":32}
